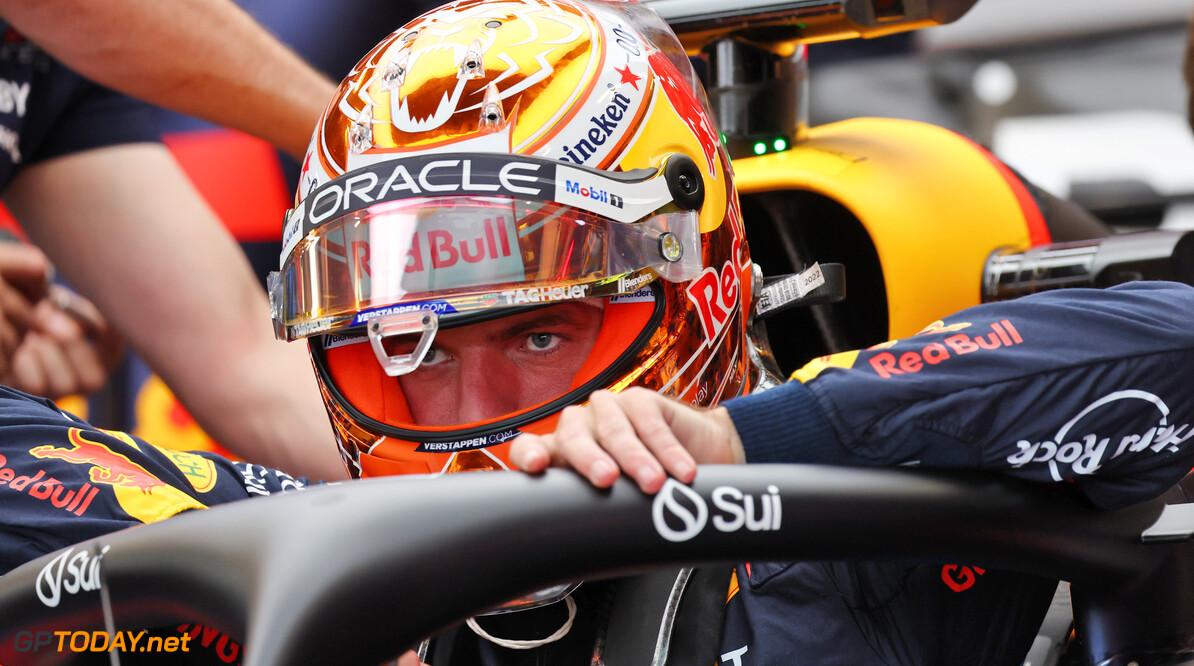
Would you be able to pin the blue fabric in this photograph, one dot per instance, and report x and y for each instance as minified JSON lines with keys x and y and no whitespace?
{"x":1086,"y":386}
{"x":47,"y":111}
{"x":63,"y":481}
{"x":786,"y":424}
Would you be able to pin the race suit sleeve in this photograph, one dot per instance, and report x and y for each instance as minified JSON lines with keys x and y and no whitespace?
{"x":1085,"y":385}
{"x":63,"y":481}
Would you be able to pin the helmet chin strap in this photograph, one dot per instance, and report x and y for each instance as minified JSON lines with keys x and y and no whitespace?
{"x":527,"y":645}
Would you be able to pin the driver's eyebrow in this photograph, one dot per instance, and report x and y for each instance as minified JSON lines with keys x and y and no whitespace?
{"x":556,"y":316}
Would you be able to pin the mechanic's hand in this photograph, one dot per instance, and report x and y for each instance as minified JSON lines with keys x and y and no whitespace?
{"x":645,"y":434}
{"x":71,"y":349}
{"x":24,"y":278}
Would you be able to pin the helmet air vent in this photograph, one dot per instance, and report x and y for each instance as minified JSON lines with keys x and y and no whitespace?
{"x":472,"y":66}
{"x":360,"y":135}
{"x":492,"y":115}
{"x":395,"y":72}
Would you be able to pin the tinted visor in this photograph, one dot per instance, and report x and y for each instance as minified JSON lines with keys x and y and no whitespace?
{"x":456,"y":254}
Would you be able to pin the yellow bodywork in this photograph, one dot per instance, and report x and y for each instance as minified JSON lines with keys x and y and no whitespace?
{"x":933,"y":203}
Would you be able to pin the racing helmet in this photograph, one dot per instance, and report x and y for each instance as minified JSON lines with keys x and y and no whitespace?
{"x":495,"y":158}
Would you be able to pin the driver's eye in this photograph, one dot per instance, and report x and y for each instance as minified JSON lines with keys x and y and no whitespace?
{"x":400,"y":345}
{"x":542,"y":341}
{"x":433,"y":356}
{"x":396,"y":345}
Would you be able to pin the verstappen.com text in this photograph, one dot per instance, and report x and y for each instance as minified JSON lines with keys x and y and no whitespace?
{"x":99,"y":641}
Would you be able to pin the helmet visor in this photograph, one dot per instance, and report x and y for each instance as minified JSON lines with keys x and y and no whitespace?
{"x":488,"y":376}
{"x":458,"y":254}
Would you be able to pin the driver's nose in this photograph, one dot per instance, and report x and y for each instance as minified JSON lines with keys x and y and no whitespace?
{"x":487,"y":388}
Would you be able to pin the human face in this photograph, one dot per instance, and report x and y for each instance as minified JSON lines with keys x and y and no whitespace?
{"x":498,"y":367}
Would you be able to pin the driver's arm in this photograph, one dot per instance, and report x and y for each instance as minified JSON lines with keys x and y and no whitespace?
{"x":1083,"y":385}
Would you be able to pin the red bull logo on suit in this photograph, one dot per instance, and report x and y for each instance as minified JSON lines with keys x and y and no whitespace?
{"x":141,"y":494}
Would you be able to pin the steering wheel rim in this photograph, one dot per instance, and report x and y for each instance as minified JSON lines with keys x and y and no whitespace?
{"x":440,"y":550}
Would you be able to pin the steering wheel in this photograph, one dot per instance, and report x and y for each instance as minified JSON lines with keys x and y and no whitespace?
{"x":354,"y":573}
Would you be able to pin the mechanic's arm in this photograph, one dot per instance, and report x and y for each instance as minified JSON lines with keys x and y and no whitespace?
{"x":1083,"y":385}
{"x":205,"y":58}
{"x":124,"y":225}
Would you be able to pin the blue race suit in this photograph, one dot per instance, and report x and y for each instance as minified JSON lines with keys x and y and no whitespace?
{"x":63,"y":481}
{"x":1083,"y":386}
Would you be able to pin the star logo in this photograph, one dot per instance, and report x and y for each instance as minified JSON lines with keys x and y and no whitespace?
{"x":628,"y":76}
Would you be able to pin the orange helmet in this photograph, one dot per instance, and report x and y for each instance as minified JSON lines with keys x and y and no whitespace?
{"x":491,"y":158}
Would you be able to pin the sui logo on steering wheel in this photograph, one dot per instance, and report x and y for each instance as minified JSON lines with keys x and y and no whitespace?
{"x":680,"y":513}
{"x":668,"y":503}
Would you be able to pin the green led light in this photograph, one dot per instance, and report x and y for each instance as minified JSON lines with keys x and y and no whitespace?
{"x":723,"y":139}
{"x":760,"y":148}
{"x":781,"y":144}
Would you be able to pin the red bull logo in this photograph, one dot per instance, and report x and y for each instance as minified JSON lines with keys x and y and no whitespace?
{"x":690,"y":109}
{"x":139,"y":492}
{"x":887,"y":364}
{"x":449,"y":255}
{"x":50,"y":489}
{"x":107,"y":467}
{"x":715,"y":294}
{"x":443,"y":249}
